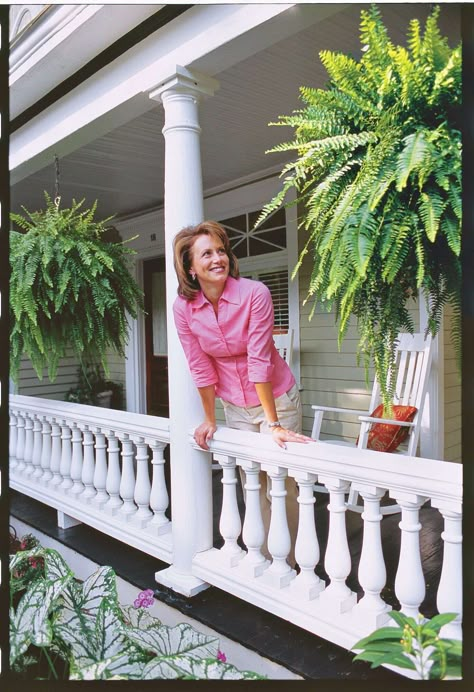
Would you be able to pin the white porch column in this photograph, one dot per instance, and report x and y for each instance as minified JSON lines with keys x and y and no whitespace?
{"x":191,"y":487}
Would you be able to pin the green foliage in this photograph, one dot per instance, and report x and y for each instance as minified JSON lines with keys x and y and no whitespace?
{"x":91,"y":381}
{"x":83,"y":632}
{"x":414,"y":645}
{"x":378,"y":176}
{"x":69,"y":288}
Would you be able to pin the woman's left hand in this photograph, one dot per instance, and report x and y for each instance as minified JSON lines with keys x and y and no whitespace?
{"x":282,"y":435}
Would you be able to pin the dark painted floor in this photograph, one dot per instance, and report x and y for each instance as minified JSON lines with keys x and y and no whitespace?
{"x":298,"y":650}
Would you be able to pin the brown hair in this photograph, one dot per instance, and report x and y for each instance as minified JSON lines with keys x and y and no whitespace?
{"x":182,"y":246}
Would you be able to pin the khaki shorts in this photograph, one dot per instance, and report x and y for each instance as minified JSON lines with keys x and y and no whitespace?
{"x":289,"y":412}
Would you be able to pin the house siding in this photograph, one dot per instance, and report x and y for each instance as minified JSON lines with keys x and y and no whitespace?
{"x":30,"y":385}
{"x":452,"y":395}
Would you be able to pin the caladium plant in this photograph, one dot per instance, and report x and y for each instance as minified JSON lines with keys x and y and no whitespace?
{"x":83,"y":625}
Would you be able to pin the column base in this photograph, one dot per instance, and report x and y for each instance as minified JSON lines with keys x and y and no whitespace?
{"x":185,"y":584}
{"x":67,"y":522}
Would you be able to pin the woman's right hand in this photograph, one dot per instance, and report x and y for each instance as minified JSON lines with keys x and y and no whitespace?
{"x":203,"y":433}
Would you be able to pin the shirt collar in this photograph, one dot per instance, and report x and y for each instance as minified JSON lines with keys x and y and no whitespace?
{"x":231,"y":294}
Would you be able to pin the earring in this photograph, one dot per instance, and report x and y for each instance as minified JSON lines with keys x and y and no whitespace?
{"x":193,"y":275}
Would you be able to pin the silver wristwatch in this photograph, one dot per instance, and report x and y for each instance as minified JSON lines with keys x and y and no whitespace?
{"x":275,"y":424}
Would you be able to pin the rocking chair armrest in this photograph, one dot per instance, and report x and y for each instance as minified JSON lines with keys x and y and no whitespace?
{"x":335,"y":409}
{"x":387,"y":421}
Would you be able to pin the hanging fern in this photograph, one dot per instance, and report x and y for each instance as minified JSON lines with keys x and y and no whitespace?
{"x":378,"y":176}
{"x":69,"y":288}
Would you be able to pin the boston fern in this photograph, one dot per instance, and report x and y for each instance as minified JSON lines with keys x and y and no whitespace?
{"x":378,"y":176}
{"x":69,"y":288}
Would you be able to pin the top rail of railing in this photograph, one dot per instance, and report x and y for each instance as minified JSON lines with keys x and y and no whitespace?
{"x":440,"y":481}
{"x":119,"y":422}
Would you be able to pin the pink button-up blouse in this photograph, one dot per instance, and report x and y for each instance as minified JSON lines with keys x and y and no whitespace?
{"x":236,"y":348}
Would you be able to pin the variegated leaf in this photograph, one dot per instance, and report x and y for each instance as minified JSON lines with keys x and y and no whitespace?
{"x":55,"y":565}
{"x":119,"y":667}
{"x":22,"y":555}
{"x":183,"y":666}
{"x":99,"y":585}
{"x":93,"y":671}
{"x":170,"y":641}
{"x":21,"y":621}
{"x":109,"y":637}
{"x":78,"y":632}
{"x":139,"y":618}
{"x":42,"y":631}
{"x":130,"y":662}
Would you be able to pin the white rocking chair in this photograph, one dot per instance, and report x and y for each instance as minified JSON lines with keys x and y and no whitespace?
{"x":413,"y":361}
{"x":284,"y":345}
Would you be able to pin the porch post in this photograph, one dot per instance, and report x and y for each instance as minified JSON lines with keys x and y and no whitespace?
{"x":191,"y":482}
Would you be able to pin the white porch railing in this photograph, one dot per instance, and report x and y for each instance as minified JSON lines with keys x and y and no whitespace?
{"x":330,"y":610}
{"x":93,"y":465}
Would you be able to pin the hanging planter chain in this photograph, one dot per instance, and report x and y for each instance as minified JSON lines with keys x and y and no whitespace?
{"x":57,"y":198}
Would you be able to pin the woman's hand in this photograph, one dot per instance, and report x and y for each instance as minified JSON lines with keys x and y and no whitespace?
{"x":204,"y":433}
{"x":282,"y":435}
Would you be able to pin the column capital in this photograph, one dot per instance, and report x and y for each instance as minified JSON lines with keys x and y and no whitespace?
{"x":186,"y":81}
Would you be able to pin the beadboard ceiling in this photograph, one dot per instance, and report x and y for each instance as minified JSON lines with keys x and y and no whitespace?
{"x":124,"y":168}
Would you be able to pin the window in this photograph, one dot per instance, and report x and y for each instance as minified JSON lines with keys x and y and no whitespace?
{"x":277,"y":282}
{"x":268,"y":238}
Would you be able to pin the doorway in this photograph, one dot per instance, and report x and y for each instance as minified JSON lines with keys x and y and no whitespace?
{"x":156,"y":343}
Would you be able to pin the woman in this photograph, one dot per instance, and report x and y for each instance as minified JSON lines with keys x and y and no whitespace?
{"x":225,"y":325}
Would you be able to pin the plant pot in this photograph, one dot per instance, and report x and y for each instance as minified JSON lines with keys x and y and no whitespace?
{"x":104,"y":399}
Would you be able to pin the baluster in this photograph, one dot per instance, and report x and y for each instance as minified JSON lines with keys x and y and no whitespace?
{"x":142,"y":485}
{"x":100,"y":473}
{"x":55,"y":453}
{"x":88,"y":465}
{"x":371,"y":611}
{"x":159,"y":499}
{"x":20,"y":446}
{"x":44,"y":470}
{"x":13,"y":440}
{"x":409,"y":581}
{"x":279,"y":573}
{"x":449,"y":597}
{"x":127,"y":482}
{"x":66,"y":456}
{"x":230,"y":525}
{"x":337,"y":595}
{"x":28,"y":452}
{"x":35,"y":469}
{"x":112,"y":484}
{"x":76,"y":461}
{"x":253,"y":532}
{"x":306,"y":584}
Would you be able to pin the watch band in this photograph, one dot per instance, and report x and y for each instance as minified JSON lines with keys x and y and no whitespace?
{"x":275,"y":424}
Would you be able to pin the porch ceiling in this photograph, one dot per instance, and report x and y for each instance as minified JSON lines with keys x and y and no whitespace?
{"x":124,"y":168}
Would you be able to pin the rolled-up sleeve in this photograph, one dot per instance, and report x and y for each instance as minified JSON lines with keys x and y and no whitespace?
{"x":260,"y":335}
{"x":200,"y":363}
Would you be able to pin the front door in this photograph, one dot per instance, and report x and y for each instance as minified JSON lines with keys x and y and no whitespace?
{"x":156,"y":338}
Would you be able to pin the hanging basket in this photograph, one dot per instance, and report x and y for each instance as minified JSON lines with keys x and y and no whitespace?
{"x":70,"y":288}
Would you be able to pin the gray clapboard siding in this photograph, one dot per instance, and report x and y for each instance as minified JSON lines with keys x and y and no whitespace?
{"x":452,"y":396}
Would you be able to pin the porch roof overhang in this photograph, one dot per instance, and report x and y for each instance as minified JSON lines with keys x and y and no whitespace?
{"x":206,"y":37}
{"x":107,"y":131}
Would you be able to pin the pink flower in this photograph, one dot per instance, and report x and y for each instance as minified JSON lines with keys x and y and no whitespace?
{"x":145,"y":599}
{"x":221,"y":656}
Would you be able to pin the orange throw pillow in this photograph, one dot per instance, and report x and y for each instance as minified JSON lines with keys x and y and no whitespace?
{"x":386,"y":438}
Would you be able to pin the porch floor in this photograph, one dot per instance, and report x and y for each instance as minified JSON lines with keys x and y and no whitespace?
{"x":298,"y":650}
